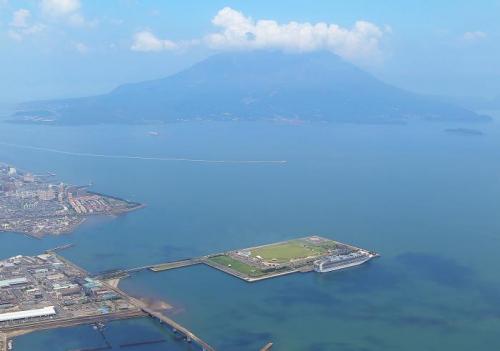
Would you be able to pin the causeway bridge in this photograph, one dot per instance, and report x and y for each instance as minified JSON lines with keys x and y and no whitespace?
{"x":179,"y":329}
{"x":120,"y":273}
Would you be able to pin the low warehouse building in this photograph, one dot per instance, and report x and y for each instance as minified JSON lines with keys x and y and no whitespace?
{"x":40,"y":312}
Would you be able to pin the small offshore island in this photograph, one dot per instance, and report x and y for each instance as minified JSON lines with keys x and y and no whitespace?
{"x":31,"y":204}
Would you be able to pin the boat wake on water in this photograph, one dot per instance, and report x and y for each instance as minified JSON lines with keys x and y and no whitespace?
{"x":136,"y":157}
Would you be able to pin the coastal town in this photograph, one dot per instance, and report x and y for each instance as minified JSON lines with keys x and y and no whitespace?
{"x":46,"y":287}
{"x":48,"y":291}
{"x":36,"y":205}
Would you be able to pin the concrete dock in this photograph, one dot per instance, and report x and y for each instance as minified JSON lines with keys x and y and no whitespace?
{"x":176,"y":264}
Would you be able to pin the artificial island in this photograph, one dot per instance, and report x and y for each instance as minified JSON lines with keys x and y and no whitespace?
{"x":312,"y":253}
{"x":36,"y":205}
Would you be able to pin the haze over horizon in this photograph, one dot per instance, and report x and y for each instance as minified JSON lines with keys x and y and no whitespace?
{"x":249,"y":175}
{"x":73,"y":48}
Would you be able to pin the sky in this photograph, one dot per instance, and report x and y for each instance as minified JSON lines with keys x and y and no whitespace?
{"x":70,"y":48}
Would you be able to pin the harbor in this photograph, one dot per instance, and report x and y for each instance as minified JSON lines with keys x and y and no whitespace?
{"x":48,"y":291}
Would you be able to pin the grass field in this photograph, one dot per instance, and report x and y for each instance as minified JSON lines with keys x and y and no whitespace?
{"x":291,"y":250}
{"x":237,"y":265}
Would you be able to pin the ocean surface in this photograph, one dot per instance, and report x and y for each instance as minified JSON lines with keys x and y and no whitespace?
{"x":428,"y":201}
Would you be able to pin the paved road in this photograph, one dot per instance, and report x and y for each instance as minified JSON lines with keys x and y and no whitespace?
{"x":3,"y":342}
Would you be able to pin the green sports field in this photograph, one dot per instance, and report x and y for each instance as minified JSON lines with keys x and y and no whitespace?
{"x":237,"y":265}
{"x":291,"y":250}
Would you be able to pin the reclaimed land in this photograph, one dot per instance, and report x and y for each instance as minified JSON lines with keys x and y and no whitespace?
{"x":268,"y":261}
{"x":37,"y":205}
{"x":79,"y":299}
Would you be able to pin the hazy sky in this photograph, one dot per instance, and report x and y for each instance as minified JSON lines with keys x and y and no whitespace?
{"x":63,"y":48}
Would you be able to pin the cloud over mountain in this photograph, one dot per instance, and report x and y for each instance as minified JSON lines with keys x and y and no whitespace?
{"x":238,"y":31}
{"x":235,"y":31}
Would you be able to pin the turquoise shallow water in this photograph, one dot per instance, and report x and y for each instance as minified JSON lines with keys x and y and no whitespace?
{"x":426,"y":200}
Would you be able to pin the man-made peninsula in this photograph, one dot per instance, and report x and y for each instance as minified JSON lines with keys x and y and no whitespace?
{"x":33,"y":205}
{"x":313,"y":253}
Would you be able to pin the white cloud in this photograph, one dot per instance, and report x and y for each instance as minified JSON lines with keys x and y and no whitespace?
{"x":20,"y":25}
{"x":474,"y":36}
{"x":237,"y":31}
{"x":20,"y":18}
{"x":60,"y":7}
{"x":81,"y":48}
{"x":65,"y":10}
{"x":147,"y":41}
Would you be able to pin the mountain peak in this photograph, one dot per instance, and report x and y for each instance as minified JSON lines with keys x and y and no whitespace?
{"x":260,"y":85}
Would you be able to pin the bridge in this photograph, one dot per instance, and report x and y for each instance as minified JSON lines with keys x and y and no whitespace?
{"x":179,"y":329}
{"x":176,"y":327}
{"x":120,"y":273}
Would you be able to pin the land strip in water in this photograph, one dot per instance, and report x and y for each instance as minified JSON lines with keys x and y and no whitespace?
{"x":277,"y":259}
{"x":36,"y":205}
{"x":144,"y":158}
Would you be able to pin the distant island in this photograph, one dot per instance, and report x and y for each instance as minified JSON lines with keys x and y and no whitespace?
{"x":32,"y":205}
{"x":259,"y":85}
{"x":464,"y":131}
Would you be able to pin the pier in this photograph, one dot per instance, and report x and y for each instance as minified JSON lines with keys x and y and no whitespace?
{"x":60,"y":248}
{"x":176,"y":264}
{"x":121,"y":273}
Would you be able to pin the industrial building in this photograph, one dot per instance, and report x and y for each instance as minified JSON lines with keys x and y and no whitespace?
{"x":39,"y":312}
{"x":14,"y":281}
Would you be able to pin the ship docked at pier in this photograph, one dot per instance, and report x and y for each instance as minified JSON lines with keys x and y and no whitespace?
{"x":337,"y":262}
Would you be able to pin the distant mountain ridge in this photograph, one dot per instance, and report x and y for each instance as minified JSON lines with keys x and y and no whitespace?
{"x":252,"y":86}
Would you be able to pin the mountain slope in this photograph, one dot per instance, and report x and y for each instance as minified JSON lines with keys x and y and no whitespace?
{"x":256,"y":85}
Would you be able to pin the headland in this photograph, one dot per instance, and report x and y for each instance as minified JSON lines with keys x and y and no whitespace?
{"x":36,"y":205}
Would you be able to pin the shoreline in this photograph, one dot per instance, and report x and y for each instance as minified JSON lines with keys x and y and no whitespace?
{"x":141,"y":308}
{"x":74,"y":226}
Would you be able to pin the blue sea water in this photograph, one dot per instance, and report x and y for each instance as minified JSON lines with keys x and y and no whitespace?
{"x":426,"y":200}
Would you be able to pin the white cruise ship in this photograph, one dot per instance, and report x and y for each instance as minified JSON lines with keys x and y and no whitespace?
{"x":337,"y":262}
